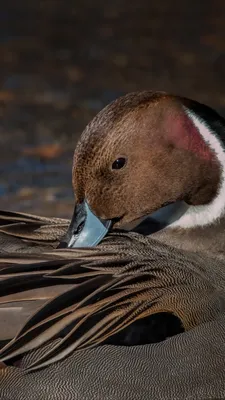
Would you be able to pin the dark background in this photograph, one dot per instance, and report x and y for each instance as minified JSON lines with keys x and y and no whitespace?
{"x":61,"y":61}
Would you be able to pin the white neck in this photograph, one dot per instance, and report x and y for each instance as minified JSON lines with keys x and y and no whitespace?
{"x":205,"y":214}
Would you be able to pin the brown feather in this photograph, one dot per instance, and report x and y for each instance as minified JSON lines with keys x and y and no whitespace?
{"x":29,"y":233}
{"x":127,"y":278}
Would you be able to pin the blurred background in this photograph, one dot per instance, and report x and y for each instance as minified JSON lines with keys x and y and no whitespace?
{"x":61,"y":61}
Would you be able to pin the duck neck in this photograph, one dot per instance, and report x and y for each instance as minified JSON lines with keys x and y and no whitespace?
{"x":207,"y":199}
{"x":207,"y":240}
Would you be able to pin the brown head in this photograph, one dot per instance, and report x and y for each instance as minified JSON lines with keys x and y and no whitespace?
{"x":140,"y":153}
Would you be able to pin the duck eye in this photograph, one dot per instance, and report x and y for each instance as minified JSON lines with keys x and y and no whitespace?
{"x":119,"y":163}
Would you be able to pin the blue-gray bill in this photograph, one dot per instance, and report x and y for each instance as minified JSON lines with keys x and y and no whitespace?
{"x":87,"y":230}
{"x":92,"y":231}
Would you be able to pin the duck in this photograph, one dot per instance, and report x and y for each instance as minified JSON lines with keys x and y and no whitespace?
{"x":167,"y":178}
{"x":154,"y":158}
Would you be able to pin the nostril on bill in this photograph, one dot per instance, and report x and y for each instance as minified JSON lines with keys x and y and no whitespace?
{"x":79,"y":228}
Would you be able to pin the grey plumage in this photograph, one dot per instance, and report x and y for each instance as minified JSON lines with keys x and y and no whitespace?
{"x":192,"y":286}
{"x":188,"y":366}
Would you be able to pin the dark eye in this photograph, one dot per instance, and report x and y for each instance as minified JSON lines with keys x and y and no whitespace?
{"x":119,"y":163}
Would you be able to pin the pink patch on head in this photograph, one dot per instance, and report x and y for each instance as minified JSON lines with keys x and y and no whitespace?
{"x":184,"y":134}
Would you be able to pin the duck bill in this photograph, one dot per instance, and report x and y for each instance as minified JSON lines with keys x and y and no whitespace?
{"x":86,"y":230}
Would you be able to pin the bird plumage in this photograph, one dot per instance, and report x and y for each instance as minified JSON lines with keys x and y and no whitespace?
{"x":85,"y":297}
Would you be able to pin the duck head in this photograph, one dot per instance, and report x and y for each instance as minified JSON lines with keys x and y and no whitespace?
{"x":144,"y":151}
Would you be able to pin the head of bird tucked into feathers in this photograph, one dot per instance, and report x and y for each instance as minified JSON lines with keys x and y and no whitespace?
{"x":139,"y":153}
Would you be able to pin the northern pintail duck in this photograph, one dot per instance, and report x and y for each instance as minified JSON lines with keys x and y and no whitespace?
{"x":141,"y":153}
